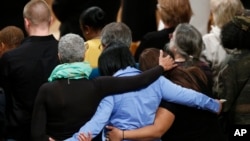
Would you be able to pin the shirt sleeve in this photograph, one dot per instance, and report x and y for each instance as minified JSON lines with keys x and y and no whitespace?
{"x":188,"y":97}
{"x":39,"y":120}
{"x":112,"y":85}
{"x":98,"y":121}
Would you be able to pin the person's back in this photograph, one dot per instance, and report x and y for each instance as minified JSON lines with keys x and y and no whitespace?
{"x":235,"y":77}
{"x":191,"y":124}
{"x":26,"y":68}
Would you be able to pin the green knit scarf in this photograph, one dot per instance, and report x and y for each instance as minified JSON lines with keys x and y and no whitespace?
{"x":75,"y":70}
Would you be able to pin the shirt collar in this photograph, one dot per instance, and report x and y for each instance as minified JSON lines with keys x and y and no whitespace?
{"x":127,"y":71}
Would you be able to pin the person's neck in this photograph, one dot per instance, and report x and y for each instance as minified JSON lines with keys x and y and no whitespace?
{"x":167,"y":26}
{"x":38,"y":32}
{"x":95,"y":35}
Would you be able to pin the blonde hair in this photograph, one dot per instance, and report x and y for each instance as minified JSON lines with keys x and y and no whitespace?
{"x":37,"y":11}
{"x":223,"y":11}
{"x":173,"y":12}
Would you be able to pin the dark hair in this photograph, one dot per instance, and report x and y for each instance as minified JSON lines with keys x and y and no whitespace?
{"x":236,"y":33}
{"x":115,"y":57}
{"x":190,"y":77}
{"x":149,"y":58}
{"x":93,"y":17}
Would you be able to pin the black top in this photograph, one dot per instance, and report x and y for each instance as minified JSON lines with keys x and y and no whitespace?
{"x":22,"y":71}
{"x":192,"y":124}
{"x":156,"y":39}
{"x":63,"y":106}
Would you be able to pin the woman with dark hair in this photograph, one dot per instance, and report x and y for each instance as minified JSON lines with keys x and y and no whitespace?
{"x":92,"y":21}
{"x":136,"y":109}
{"x":176,"y":122}
{"x":235,"y":77}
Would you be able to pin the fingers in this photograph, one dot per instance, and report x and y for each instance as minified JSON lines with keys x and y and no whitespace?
{"x":109,"y":127}
{"x":166,"y":62}
{"x":89,"y":135}
{"x":51,"y":139}
{"x":161,"y":54}
{"x":83,"y":137}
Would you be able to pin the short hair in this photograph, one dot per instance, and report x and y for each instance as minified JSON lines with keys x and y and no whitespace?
{"x":188,"y":41}
{"x":94,"y":17}
{"x":236,"y":33}
{"x":116,"y":31}
{"x":37,"y":11}
{"x":149,"y":58}
{"x":173,"y":12}
{"x":11,"y":36}
{"x":115,"y":57}
{"x":71,"y":48}
{"x":224,"y":10}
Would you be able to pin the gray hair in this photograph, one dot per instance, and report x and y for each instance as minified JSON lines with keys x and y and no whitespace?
{"x":116,"y":31}
{"x":71,"y":48}
{"x":188,"y":40}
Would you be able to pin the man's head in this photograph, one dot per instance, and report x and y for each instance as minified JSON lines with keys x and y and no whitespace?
{"x":36,"y":13}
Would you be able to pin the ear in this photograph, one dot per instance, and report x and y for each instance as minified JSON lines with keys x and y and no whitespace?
{"x":2,"y":48}
{"x":86,"y":29}
{"x":51,"y":20}
{"x":26,"y":22}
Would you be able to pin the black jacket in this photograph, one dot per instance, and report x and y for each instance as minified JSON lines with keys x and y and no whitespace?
{"x":22,"y":71}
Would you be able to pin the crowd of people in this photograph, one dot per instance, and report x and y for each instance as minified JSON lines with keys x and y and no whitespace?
{"x":177,"y":83}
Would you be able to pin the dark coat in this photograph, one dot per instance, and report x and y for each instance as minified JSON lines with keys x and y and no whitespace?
{"x":22,"y":71}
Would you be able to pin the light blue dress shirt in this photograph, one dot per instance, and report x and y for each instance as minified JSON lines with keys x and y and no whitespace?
{"x":138,"y":108}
